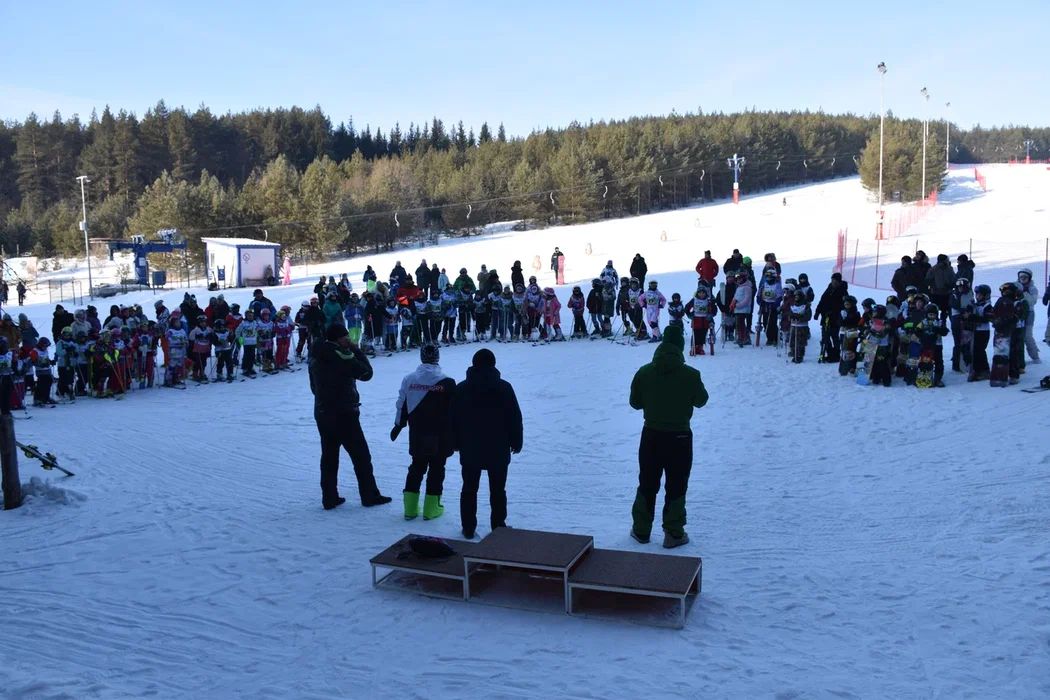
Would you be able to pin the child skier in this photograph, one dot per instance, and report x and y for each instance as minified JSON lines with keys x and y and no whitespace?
{"x":178,"y":342}
{"x":200,"y":346}
{"x":594,"y":306}
{"x":981,"y":316}
{"x":66,"y":363}
{"x":551,"y":315}
{"x":247,"y":335}
{"x":391,"y":323}
{"x":282,"y":332}
{"x":223,"y":340}
{"x":40,"y":358}
{"x":801,"y":313}
{"x":930,"y":331}
{"x":653,"y":301}
{"x":701,"y":309}
{"x":676,"y":311}
{"x":741,"y":307}
{"x":264,"y":341}
{"x":482,"y":316}
{"x":770,"y":295}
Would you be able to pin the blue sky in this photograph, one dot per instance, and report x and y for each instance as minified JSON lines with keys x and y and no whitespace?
{"x":529,"y":65}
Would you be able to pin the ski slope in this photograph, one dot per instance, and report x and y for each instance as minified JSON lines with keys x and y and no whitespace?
{"x":857,"y":541}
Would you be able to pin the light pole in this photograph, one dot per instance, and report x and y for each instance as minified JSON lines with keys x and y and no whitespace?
{"x":735,"y":163}
{"x":925,"y":128}
{"x":947,"y":137}
{"x":882,"y":131}
{"x":1028,"y":143}
{"x":84,"y":227}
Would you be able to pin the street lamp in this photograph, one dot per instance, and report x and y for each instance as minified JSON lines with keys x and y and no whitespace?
{"x":925,"y":129}
{"x":735,"y":163}
{"x":947,"y":136}
{"x":84,"y":227}
{"x":882,"y":131}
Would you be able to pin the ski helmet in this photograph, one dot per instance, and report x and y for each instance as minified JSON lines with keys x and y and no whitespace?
{"x":624,"y":280}
{"x":803,"y":278}
{"x":849,"y":299}
{"x":596,"y":282}
{"x":577,"y":290}
{"x":429,"y":354}
{"x":770,"y":272}
{"x":67,"y":332}
{"x":635,"y":282}
{"x":962,"y":283}
{"x":1007,"y":289}
{"x":1024,"y":271}
{"x":202,"y":319}
{"x":249,"y":314}
{"x":43,"y":343}
{"x":932,"y":310}
{"x":789,"y":287}
{"x":982,"y":291}
{"x":923,"y":298}
{"x":305,"y":305}
{"x":548,"y":291}
{"x":746,"y":261}
{"x":234,"y":308}
{"x":892,"y":299}
{"x":676,"y":297}
{"x":220,"y":323}
{"x":532,"y":279}
{"x":652,"y":284}
{"x":792,"y":281}
{"x":868,"y":303}
{"x":911,"y":290}
{"x":880,"y":311}
{"x":156,"y":305}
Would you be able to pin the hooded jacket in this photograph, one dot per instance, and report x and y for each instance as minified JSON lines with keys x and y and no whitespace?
{"x":667,"y":389}
{"x":940,"y":280}
{"x":423,"y":405}
{"x":486,"y":419}
{"x":334,"y":374}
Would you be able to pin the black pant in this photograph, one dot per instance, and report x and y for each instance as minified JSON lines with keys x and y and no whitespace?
{"x":434,"y":468}
{"x":668,"y":455}
{"x":42,"y":392}
{"x":468,"y":497}
{"x":943,"y":302}
{"x":1017,"y":362}
{"x":248,"y":359}
{"x":344,"y":430}
{"x":980,"y":354}
{"x":224,"y":360}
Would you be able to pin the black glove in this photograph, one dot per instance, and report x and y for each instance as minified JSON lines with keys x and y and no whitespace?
{"x":394,"y":432}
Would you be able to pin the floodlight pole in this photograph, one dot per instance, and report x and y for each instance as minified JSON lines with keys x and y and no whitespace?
{"x":882,"y":132}
{"x":947,"y":137}
{"x":1028,"y":143}
{"x":925,"y":129}
{"x":735,"y":164}
{"x":84,"y":227}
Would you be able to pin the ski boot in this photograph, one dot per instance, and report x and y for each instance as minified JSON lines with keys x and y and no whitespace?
{"x":411,"y":504}
{"x":432,"y":508}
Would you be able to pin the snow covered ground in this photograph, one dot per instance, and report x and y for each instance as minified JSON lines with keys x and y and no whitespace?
{"x":857,"y":541}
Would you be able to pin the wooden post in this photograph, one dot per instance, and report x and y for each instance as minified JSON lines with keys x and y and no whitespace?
{"x":12,"y":485}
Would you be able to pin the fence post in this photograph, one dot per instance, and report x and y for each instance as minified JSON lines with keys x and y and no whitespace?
{"x":12,"y":485}
{"x":853,"y":275}
{"x":878,"y":249}
{"x":971,"y":248}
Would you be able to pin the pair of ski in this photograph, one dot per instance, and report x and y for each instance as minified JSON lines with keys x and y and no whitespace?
{"x":710,"y":342}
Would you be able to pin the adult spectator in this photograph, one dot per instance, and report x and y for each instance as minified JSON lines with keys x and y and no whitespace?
{"x":494,"y":284}
{"x":408,"y":292}
{"x":464,"y":283}
{"x":320,"y":290}
{"x":902,"y":277}
{"x":423,"y":274}
{"x":369,"y":276}
{"x":964,"y":268}
{"x":940,"y":280}
{"x":922,"y":265}
{"x":517,"y":275}
{"x":189,"y":308}
{"x":734,"y":264}
{"x":487,"y":430}
{"x":771,"y":262}
{"x":555,"y":259}
{"x":483,"y":280}
{"x":666,"y":390}
{"x":398,"y":273}
{"x":336,"y":365}
{"x":61,"y":319}
{"x":707,"y":269}
{"x":21,"y":289}
{"x":639,"y":269}
{"x":260,"y":302}
{"x":830,"y":307}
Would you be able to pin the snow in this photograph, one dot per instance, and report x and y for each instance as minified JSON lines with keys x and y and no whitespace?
{"x":857,"y":541}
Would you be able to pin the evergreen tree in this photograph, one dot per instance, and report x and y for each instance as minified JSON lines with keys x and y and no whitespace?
{"x":184,"y":165}
{"x":501,"y":134}
{"x":485,"y":135}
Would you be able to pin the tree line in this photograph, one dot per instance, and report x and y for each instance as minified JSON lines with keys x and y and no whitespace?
{"x":319,"y":189}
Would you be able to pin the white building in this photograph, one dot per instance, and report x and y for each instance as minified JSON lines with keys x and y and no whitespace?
{"x":241,"y":262}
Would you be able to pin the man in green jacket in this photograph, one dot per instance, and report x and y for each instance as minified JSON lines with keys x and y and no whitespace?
{"x":666,"y":390}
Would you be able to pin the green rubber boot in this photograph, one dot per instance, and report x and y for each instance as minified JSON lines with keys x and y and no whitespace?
{"x":411,"y":505}
{"x":432,"y":508}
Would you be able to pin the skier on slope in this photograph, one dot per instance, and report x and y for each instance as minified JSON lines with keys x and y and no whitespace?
{"x":423,"y":404}
{"x":702,"y":310}
{"x":594,"y":306}
{"x":741,"y":306}
{"x":578,"y":306}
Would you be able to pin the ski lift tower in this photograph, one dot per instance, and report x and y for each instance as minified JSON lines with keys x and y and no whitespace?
{"x":168,"y":240}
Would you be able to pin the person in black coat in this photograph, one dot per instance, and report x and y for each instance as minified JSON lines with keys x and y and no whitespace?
{"x":423,"y":275}
{"x":920,"y":266}
{"x":517,"y":276}
{"x":902,"y":277}
{"x":62,"y":318}
{"x":370,"y":274}
{"x":336,"y":365}
{"x":830,"y":307}
{"x":486,"y":430}
{"x":398,"y":273}
{"x":639,"y":269}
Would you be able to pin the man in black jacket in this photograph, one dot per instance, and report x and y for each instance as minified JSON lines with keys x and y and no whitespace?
{"x":486,"y":429}
{"x":335,"y":366}
{"x":920,"y":266}
{"x":423,"y":275}
{"x":639,"y":269}
{"x":62,"y":318}
{"x":830,"y":307}
{"x":902,"y":277}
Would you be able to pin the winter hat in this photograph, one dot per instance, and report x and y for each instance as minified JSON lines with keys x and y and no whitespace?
{"x":485,"y":358}
{"x":836,"y":276}
{"x":963,"y":258}
{"x":673,"y":335}
{"x":942,"y":258}
{"x":335,"y":332}
{"x":429,"y":354}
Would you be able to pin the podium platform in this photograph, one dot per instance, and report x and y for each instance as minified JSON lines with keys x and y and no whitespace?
{"x":529,"y":549}
{"x":638,"y":574}
{"x":532,"y":570}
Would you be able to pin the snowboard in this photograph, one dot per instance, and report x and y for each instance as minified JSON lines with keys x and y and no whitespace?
{"x":924,"y":369}
{"x":47,"y":460}
{"x":1000,"y":359}
{"x":911,"y":364}
{"x":848,"y":357}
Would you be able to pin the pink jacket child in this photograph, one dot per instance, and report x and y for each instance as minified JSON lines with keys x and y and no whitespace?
{"x":552,"y":313}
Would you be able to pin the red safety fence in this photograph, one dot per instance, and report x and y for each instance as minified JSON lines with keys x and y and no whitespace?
{"x":840,"y":253}
{"x":980,"y":179}
{"x":899,"y":223}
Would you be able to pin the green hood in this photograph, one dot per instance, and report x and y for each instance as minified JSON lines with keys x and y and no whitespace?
{"x":669,"y":353}
{"x":667,"y":389}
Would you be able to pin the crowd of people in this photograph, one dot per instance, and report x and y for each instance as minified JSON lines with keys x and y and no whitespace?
{"x":900,"y":338}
